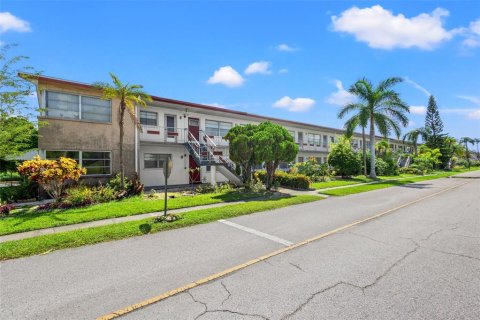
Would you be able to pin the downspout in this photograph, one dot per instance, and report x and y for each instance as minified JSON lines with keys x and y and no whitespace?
{"x":136,"y":143}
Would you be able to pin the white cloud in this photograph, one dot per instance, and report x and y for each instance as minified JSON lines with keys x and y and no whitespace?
{"x":340,"y":97}
{"x":417,"y":86}
{"x":261,"y":67}
{"x":282,"y":71}
{"x":473,"y":35}
{"x":420,"y":110}
{"x":226,"y":76}
{"x":294,"y":105}
{"x":472,"y":99}
{"x":8,"y":22}
{"x":285,"y":47}
{"x":381,"y":29}
{"x":469,"y":113}
{"x":475,"y":114}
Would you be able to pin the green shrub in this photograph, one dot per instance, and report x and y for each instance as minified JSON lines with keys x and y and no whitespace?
{"x":297,"y":181}
{"x":84,"y":195}
{"x":116,"y":182}
{"x":315,"y":171}
{"x":25,"y":191}
{"x":412,"y":169}
{"x":343,"y":159}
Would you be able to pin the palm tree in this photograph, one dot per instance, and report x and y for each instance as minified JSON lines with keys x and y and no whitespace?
{"x":383,"y":147}
{"x":466,"y":141}
{"x":361,"y":120}
{"x":413,"y":135}
{"x":383,"y":106}
{"x":477,"y":141}
{"x":129,"y":96}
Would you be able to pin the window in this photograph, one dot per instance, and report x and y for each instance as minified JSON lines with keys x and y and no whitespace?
{"x":155,"y":160}
{"x":70,"y":106}
{"x":301,"y":159}
{"x":313,"y":139}
{"x":170,"y":123}
{"x":332,"y":139}
{"x":217,"y":128}
{"x":55,"y":155}
{"x":61,"y":105}
{"x":95,"y":109}
{"x":96,"y":162}
{"x":318,"y":159}
{"x":148,"y":118}
{"x":325,"y":141}
{"x":300,"y":138}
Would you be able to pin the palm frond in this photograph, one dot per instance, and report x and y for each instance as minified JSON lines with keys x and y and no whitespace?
{"x":388,"y":83}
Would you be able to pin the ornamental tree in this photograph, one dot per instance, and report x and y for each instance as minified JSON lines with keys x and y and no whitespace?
{"x":242,"y":149}
{"x":273,"y":143}
{"x":52,"y":175}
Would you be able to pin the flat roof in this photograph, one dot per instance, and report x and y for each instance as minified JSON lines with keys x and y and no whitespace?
{"x":53,"y":80}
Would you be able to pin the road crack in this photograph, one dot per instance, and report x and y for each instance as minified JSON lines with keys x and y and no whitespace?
{"x":251,"y":315}
{"x":228,"y":291}
{"x":296,"y":266}
{"x":200,"y":302}
{"x":362,"y":288}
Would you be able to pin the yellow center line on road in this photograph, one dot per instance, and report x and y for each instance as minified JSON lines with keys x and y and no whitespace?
{"x":223,"y":273}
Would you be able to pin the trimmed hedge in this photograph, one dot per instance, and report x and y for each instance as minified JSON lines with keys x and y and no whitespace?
{"x":297,"y":181}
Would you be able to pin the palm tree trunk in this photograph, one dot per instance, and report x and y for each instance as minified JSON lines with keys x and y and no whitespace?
{"x":364,"y":150}
{"x":373,"y":174}
{"x":121,"y":123}
{"x":415,"y":148}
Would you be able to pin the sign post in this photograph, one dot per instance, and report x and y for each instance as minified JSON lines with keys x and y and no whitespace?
{"x":167,"y":170}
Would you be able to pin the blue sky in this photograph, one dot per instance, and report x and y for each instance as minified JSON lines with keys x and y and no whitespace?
{"x":291,"y":60}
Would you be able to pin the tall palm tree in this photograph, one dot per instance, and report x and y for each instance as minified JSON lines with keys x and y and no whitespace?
{"x":477,"y":141}
{"x":129,"y":96}
{"x":360,"y":119}
{"x":466,"y":141}
{"x":413,"y":135}
{"x":385,"y":110}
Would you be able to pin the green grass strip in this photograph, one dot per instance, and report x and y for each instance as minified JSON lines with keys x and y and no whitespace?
{"x":29,"y":219}
{"x":81,"y":237}
{"x":386,"y":184}
{"x":355,"y":180}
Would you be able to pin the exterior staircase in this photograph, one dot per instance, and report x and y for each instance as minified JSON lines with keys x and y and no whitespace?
{"x":204,"y":153}
{"x":404,"y":161}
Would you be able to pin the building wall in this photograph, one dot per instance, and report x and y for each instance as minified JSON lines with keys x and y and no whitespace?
{"x":71,"y":134}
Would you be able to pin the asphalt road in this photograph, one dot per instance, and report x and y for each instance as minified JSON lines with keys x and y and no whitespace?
{"x":421,"y":261}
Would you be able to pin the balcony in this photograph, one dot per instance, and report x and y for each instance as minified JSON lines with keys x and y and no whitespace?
{"x":302,"y":146}
{"x":162,"y":134}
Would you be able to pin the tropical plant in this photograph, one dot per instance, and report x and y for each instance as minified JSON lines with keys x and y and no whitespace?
{"x":383,"y":106}
{"x":358,"y":120}
{"x":129,"y":96}
{"x":343,"y":158}
{"x":477,"y":141}
{"x":383,"y":148}
{"x":413,"y":135}
{"x":433,"y":124}
{"x":315,"y":171}
{"x":273,"y":143}
{"x":466,"y":141}
{"x":427,"y":158}
{"x":52,"y":175}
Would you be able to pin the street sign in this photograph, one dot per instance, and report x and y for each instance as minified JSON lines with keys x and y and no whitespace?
{"x":167,"y":168}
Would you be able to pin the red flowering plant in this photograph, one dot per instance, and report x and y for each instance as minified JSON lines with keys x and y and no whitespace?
{"x":52,"y":175}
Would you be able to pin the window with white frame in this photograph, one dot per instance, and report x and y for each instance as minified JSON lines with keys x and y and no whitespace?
{"x":148,"y":118}
{"x":55,"y":155}
{"x":72,"y":106}
{"x":325,"y":141}
{"x":313,"y":139}
{"x":154,"y":160}
{"x":217,"y":128}
{"x":96,"y":162}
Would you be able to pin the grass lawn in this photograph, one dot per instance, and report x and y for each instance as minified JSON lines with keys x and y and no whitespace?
{"x":47,"y":243}
{"x":339,"y":182}
{"x":387,"y":184}
{"x":29,"y":219}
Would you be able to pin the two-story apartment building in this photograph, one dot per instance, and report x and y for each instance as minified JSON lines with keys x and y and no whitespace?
{"x":83,"y":126}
